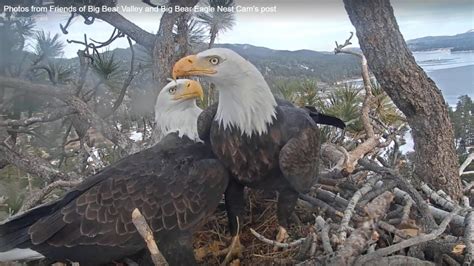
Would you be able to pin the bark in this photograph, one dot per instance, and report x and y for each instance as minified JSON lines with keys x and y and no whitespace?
{"x":82,"y":109}
{"x":213,"y":36}
{"x":139,"y":35}
{"x":34,"y":165}
{"x":411,"y":90}
{"x":164,"y":44}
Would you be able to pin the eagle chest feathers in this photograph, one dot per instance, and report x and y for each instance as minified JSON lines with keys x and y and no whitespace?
{"x":249,"y":158}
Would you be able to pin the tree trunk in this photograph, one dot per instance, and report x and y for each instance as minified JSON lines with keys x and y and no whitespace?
{"x":412,"y":91}
{"x":213,"y":36}
{"x":164,"y":46}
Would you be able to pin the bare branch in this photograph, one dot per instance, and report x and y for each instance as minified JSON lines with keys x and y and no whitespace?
{"x":409,"y":242}
{"x":37,"y":197}
{"x":275,"y":243}
{"x":49,"y":117}
{"x":139,"y":35}
{"x":352,"y":204}
{"x":466,"y":162}
{"x":34,"y":165}
{"x":443,"y":202}
{"x":145,"y":231}
{"x":427,"y":217}
{"x":78,"y":105}
{"x":469,"y":238}
{"x":324,"y":229}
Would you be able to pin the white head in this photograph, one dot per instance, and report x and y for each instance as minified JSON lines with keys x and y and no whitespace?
{"x":176,"y":109}
{"x":245,"y":100}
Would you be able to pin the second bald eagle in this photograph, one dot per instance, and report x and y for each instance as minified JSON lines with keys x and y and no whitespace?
{"x":266,"y":143}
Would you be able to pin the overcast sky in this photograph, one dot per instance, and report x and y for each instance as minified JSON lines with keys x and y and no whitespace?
{"x":303,"y":24}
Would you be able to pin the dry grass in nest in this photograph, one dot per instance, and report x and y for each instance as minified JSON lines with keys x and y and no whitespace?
{"x":261,"y":216}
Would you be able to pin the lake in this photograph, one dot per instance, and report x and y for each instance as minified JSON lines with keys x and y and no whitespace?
{"x":453,"y":72}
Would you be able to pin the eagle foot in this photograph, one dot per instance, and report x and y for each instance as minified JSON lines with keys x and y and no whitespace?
{"x":233,"y":251}
{"x":282,"y":236}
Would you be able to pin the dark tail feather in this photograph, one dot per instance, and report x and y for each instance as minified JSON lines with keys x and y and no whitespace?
{"x":319,"y":118}
{"x":14,"y":232}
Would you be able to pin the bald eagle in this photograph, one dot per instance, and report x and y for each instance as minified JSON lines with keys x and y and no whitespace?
{"x":266,"y":143}
{"x":176,"y":184}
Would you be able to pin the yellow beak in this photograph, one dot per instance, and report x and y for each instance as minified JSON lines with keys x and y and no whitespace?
{"x":191,"y":66}
{"x":192,"y":89}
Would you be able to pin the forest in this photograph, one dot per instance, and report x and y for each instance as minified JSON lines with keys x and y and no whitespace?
{"x":66,"y":121}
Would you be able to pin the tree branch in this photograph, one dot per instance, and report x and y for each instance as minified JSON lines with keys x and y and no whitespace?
{"x":127,"y":27}
{"x":409,"y":242}
{"x":145,"y":231}
{"x":37,"y":197}
{"x":34,"y":165}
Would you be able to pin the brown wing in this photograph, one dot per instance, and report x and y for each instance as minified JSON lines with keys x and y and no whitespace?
{"x":174,"y":190}
{"x":299,"y":159}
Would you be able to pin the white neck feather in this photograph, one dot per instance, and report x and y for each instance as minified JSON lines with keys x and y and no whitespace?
{"x":246,"y":102}
{"x":180,"y":118}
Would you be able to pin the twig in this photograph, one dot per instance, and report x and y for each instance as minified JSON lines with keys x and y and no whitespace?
{"x":466,"y":162}
{"x":49,"y":117}
{"x":427,"y":218}
{"x":392,"y":229}
{"x":37,"y":197}
{"x":34,"y":165}
{"x":407,"y":208}
{"x":443,"y":202}
{"x":275,"y":243}
{"x":469,"y":238}
{"x":324,"y":229}
{"x":409,"y":242}
{"x":145,"y":231}
{"x":355,"y":245}
{"x":351,"y":206}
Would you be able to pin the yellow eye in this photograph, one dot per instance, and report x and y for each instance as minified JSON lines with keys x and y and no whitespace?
{"x":172,"y":90}
{"x":214,"y":60}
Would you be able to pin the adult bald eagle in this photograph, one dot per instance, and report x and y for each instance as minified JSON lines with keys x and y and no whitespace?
{"x":176,"y":184}
{"x":266,"y":143}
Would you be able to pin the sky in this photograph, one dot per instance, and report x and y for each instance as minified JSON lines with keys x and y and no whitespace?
{"x":277,"y":24}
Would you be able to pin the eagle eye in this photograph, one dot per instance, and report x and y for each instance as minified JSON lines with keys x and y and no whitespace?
{"x":214,"y":60}
{"x":172,"y":90}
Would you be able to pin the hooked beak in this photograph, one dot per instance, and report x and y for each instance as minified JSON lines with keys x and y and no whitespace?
{"x":192,"y":89}
{"x":191,"y":66}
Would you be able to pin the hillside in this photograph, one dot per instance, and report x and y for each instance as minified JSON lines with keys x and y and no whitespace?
{"x":323,"y":66}
{"x":301,"y":64}
{"x":458,"y":42}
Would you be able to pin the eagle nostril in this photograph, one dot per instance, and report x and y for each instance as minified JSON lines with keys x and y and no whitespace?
{"x":190,"y":61}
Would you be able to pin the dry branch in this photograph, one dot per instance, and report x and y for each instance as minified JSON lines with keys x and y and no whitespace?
{"x":49,"y":117}
{"x":352,"y":204}
{"x":399,"y":260}
{"x":469,"y":238}
{"x":392,"y":229}
{"x":145,"y":231}
{"x":275,"y":243}
{"x":372,"y":140}
{"x":34,"y":165}
{"x":409,"y":242}
{"x":324,"y":229}
{"x":427,"y":220}
{"x":466,"y":162}
{"x":111,"y":133}
{"x":354,"y":245}
{"x":37,"y":197}
{"x":442,"y":201}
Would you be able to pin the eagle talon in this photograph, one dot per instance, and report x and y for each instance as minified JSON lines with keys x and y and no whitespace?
{"x":233,"y":251}
{"x":282,"y":236}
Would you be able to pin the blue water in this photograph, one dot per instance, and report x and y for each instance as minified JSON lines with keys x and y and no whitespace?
{"x":453,"y":72}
